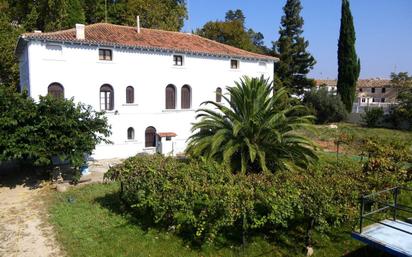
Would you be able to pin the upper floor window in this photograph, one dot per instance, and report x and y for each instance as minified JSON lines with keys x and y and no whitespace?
{"x":170,"y":97}
{"x":56,"y":90}
{"x":129,"y":95}
{"x":218,"y":95}
{"x":383,"y":90}
{"x":106,"y":97}
{"x":234,"y":64}
{"x":130,"y":133}
{"x":178,"y":60}
{"x":382,"y":100}
{"x":373,"y":90}
{"x":105,"y":55}
{"x":360,"y":90}
{"x":186,"y":97}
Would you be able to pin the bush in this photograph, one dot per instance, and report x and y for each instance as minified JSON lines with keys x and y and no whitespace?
{"x":201,"y":199}
{"x":373,"y":117}
{"x":326,"y":107}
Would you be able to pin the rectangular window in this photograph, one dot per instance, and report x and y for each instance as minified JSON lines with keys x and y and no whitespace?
{"x":383,"y":100}
{"x":360,"y":90}
{"x":105,"y":55}
{"x":363,"y":100}
{"x":105,"y":100}
{"x":178,"y":60}
{"x":234,"y":64}
{"x":383,"y":90}
{"x":373,"y":90}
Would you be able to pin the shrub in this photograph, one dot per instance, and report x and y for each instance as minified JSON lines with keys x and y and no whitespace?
{"x":202,"y":199}
{"x":373,"y":117}
{"x":326,"y":106}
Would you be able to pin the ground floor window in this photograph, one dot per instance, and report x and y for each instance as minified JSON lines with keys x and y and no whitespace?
{"x":150,"y":137}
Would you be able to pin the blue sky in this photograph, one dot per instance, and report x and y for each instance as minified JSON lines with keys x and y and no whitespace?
{"x":383,"y":30}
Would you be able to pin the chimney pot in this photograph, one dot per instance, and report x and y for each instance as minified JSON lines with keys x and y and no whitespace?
{"x":80,"y":31}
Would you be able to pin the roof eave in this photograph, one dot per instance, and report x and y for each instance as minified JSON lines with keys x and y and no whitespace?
{"x":145,"y":48}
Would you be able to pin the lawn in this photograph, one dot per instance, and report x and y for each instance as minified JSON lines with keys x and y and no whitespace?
{"x":91,"y":222}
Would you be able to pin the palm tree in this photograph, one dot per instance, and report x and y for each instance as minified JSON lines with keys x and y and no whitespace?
{"x":257,"y":132}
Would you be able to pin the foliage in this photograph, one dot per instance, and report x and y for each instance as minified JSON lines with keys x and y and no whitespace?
{"x":385,"y":166}
{"x":348,"y":62}
{"x":232,"y":31}
{"x":402,"y":112}
{"x":52,"y":127}
{"x":327,"y":107}
{"x":256,"y":131}
{"x":373,"y":116}
{"x":203,"y":199}
{"x":295,"y":62}
{"x":9,"y":68}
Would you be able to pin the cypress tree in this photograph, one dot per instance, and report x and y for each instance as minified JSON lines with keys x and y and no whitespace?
{"x":295,"y":62}
{"x":348,"y":62}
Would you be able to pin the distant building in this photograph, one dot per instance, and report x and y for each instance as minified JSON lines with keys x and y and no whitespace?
{"x":369,"y":93}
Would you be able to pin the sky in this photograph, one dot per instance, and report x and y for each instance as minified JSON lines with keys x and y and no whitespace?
{"x":383,"y":30}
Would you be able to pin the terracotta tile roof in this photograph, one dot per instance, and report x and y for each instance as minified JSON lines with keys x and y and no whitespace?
{"x":151,"y":39}
{"x":167,"y":134}
{"x":361,"y":83}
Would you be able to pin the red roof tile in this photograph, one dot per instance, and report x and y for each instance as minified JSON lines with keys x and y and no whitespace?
{"x":117,"y":35}
{"x":167,"y":134}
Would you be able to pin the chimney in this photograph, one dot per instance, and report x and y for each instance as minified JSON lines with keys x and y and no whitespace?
{"x":37,"y":31}
{"x":80,"y":32}
{"x":138,"y":24}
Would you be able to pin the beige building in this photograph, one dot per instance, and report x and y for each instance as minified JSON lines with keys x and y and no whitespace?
{"x":369,"y":93}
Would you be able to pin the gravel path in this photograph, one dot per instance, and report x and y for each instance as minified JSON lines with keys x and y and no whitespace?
{"x":23,"y":227}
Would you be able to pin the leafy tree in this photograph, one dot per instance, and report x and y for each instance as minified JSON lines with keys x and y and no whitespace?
{"x":373,"y":116}
{"x":9,"y":68}
{"x":256,"y":132}
{"x":163,"y":14}
{"x":402,"y":112}
{"x":295,"y":61}
{"x":232,"y":32}
{"x":327,"y":107}
{"x":348,"y":62}
{"x":52,"y":127}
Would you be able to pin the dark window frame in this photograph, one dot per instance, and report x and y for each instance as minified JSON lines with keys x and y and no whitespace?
{"x":130,"y":133}
{"x":129,"y":95}
{"x":234,"y":64}
{"x":55,"y":89}
{"x":170,"y":97}
{"x":383,"y":90}
{"x":218,"y":95}
{"x":105,"y":54}
{"x":186,"y":97}
{"x":178,"y":60}
{"x":108,"y":93}
{"x":373,"y":90}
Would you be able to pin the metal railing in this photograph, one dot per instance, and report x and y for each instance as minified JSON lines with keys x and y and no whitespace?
{"x":394,"y":205}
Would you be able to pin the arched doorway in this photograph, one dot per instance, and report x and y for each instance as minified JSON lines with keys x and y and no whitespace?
{"x":150,"y":137}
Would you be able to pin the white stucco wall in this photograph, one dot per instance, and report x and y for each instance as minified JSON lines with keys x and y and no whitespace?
{"x":81,"y":73}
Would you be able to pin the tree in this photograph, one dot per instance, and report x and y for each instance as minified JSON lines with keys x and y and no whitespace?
{"x":402,"y":112}
{"x":53,"y":127}
{"x":9,"y":68}
{"x":295,"y":61}
{"x":348,"y":62}
{"x":232,"y":32}
{"x":256,"y":133}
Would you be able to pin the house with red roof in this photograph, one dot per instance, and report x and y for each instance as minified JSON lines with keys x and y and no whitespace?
{"x":149,"y":82}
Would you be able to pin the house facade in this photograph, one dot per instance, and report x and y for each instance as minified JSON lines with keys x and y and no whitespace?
{"x":149,"y":82}
{"x":369,"y":93}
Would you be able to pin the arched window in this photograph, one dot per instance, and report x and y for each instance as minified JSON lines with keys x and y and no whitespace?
{"x":185,"y":97}
{"x":170,"y":97}
{"x":130,"y":133}
{"x":218,"y":95}
{"x":106,"y":97}
{"x":129,"y":95}
{"x":150,"y":137}
{"x":56,"y":90}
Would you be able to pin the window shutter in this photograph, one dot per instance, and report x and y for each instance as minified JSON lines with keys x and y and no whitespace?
{"x":170,"y":97}
{"x":56,"y":90}
{"x":218,"y":95}
{"x":185,"y":102}
{"x":129,"y":95}
{"x":150,"y":137}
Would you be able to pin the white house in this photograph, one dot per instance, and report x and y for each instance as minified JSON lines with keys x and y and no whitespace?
{"x":149,"y":82}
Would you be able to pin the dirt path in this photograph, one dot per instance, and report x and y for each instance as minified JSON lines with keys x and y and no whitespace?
{"x":24,"y":230}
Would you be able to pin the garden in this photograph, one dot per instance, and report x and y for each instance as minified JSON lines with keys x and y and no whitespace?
{"x":258,"y":180}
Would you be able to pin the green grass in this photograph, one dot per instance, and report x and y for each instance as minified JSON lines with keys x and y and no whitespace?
{"x":90,"y":222}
